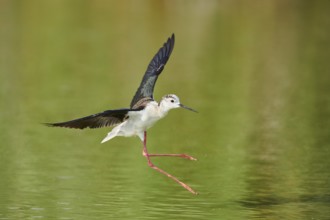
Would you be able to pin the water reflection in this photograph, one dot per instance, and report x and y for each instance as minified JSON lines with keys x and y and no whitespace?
{"x":257,"y":74}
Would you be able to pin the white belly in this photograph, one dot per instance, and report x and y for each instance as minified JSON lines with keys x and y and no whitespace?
{"x":140,"y":121}
{"x":137,"y":123}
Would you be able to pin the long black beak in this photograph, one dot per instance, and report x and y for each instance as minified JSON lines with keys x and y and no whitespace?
{"x":186,"y":107}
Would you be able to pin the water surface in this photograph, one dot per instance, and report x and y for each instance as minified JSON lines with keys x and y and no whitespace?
{"x":257,"y":72}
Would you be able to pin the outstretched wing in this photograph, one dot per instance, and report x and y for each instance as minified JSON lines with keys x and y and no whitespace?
{"x":155,"y":67}
{"x":103,"y":119}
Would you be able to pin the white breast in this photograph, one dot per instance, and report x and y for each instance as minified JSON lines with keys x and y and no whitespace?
{"x":147,"y":117}
{"x":140,"y":121}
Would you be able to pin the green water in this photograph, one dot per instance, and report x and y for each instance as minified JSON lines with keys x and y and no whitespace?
{"x":258,"y":72}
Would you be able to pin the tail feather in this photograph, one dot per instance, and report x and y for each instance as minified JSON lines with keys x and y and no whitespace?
{"x":115,"y":132}
{"x":109,"y":136}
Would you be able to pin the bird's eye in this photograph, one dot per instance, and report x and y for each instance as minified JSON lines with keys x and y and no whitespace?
{"x":172,"y":100}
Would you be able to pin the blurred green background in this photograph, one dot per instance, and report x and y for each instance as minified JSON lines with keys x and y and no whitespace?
{"x":258,"y":72}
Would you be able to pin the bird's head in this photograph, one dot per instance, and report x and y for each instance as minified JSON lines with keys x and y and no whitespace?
{"x":172,"y":101}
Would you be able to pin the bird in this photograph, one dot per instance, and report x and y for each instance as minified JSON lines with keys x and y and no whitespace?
{"x":142,"y":114}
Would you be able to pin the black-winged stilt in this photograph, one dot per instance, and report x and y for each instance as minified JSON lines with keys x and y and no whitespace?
{"x":143,"y":113}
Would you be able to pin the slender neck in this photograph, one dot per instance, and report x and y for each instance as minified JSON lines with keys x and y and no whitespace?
{"x":162,"y":109}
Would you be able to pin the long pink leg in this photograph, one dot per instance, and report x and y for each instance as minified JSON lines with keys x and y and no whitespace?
{"x":173,"y":155}
{"x":145,"y":153}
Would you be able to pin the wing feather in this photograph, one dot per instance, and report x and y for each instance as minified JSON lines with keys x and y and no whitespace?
{"x":103,"y":119}
{"x":154,"y":69}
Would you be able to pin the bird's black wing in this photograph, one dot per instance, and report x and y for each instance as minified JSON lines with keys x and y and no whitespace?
{"x":103,"y":119}
{"x":155,"y":67}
